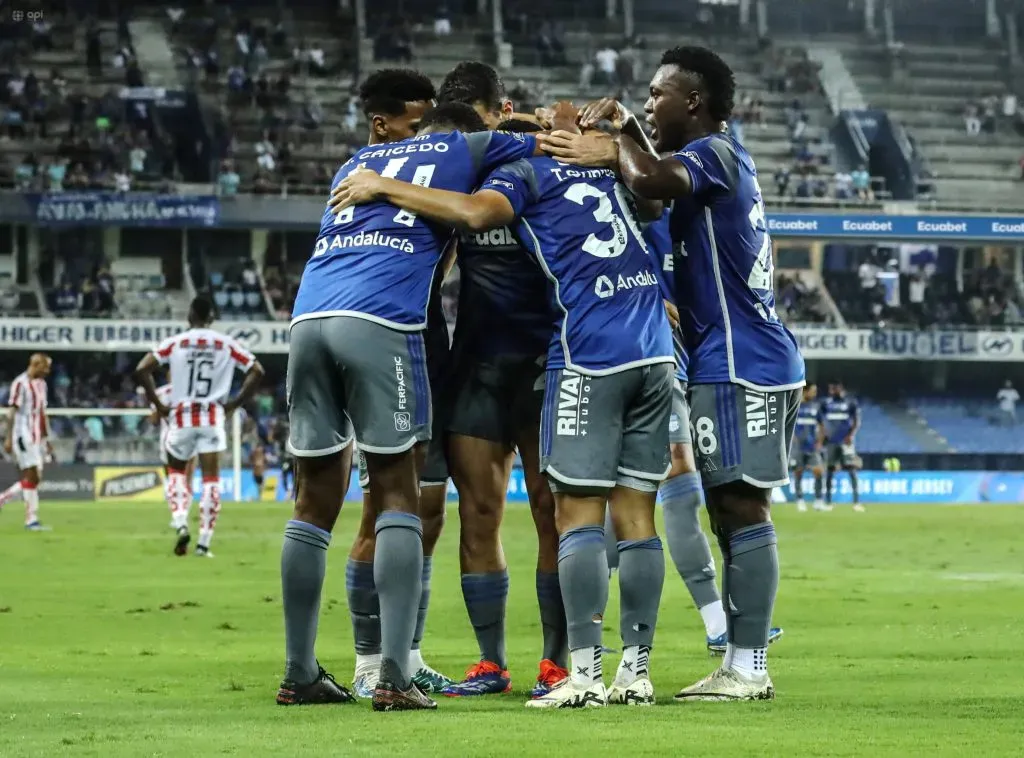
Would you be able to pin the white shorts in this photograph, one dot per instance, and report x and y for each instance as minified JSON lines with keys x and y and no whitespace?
{"x":28,"y":454}
{"x":184,"y":444}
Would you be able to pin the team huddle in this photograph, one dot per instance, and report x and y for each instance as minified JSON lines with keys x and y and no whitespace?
{"x":616,"y":326}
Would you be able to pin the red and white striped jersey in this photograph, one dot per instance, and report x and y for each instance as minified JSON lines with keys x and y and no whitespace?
{"x":28,"y":397}
{"x":202,"y":363}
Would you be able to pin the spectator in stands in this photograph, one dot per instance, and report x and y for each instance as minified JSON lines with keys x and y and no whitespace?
{"x":442,"y":22}
{"x":1007,"y":397}
{"x":137,"y":158}
{"x":42,"y":34}
{"x":1009,"y":106}
{"x":65,"y":300}
{"x":14,"y":119}
{"x":228,"y":179}
{"x":606,"y":60}
{"x":1020,"y":163}
{"x":916,"y":290}
{"x":122,"y":180}
{"x":862,"y":183}
{"x":89,"y":303}
{"x":25,"y":173}
{"x":105,"y":287}
{"x":55,"y":175}
{"x":93,"y":51}
{"x":972,"y":124}
{"x":988,"y":114}
{"x":843,"y":185}
{"x":782,"y":175}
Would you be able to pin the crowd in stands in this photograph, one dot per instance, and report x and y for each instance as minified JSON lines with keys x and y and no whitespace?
{"x":88,"y":297}
{"x":69,"y":129}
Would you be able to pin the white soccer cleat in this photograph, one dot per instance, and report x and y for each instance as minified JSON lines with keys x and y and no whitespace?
{"x":638,"y":692}
{"x":364,"y":682}
{"x":724,"y":684}
{"x":822,"y":506}
{"x":801,"y":506}
{"x":566,"y":694}
{"x":858,"y":508}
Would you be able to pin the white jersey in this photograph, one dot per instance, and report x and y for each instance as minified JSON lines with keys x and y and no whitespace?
{"x":163,"y":394}
{"x":202,"y":363}
{"x":28,"y":398}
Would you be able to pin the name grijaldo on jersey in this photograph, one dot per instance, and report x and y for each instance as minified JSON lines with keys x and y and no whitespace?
{"x":605,"y":287}
{"x":761,"y":410}
{"x":362,"y":239}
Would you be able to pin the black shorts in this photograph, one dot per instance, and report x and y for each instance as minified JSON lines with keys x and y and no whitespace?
{"x":495,"y":398}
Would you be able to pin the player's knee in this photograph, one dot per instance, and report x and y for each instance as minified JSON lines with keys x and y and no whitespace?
{"x":737,"y":505}
{"x":317,"y":496}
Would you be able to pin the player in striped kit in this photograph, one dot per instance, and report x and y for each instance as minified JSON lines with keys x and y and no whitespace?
{"x":202,"y":363}
{"x":28,"y":431}
{"x":164,"y":392}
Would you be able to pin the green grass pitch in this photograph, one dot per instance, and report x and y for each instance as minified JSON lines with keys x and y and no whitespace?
{"x":903,"y":638}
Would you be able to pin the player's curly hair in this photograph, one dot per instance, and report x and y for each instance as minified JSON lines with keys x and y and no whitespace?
{"x":457,"y":116}
{"x":386,"y":92}
{"x":519,"y":125}
{"x":716,"y":77}
{"x":473,"y":82}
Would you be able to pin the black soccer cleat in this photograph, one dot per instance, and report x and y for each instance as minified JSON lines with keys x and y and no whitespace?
{"x":181,"y":543}
{"x":321,"y":691}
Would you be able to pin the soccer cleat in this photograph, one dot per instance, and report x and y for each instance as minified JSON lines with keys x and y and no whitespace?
{"x":801,"y":506}
{"x":36,"y":526}
{"x":823,"y":507}
{"x":858,"y":508}
{"x":181,"y":541}
{"x":717,"y":645}
{"x":725,"y":684}
{"x":321,"y":691}
{"x":567,"y":694}
{"x":365,"y":680}
{"x":483,"y":678}
{"x":639,"y":692}
{"x":430,"y":681}
{"x":387,"y":697}
{"x":203,"y":552}
{"x":550,"y":675}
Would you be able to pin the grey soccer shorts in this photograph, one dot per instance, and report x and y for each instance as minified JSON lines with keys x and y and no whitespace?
{"x":599,"y":431}
{"x":742,"y":434}
{"x":348,"y":377}
{"x":679,"y":421}
{"x":805,"y":459}
{"x":840,"y":456}
{"x":493,"y":399}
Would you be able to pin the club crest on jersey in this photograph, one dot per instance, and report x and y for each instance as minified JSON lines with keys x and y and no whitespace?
{"x":403,"y":422}
{"x":761,"y":411}
{"x":573,"y":397}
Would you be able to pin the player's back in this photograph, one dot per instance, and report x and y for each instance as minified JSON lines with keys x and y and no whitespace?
{"x":504,"y":305}
{"x":658,"y":236}
{"x":724,"y":281}
{"x":201,"y":363}
{"x":582,"y":227}
{"x":377,"y":261}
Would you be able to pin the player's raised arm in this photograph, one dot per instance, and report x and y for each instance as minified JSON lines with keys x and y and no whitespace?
{"x":477,"y":212}
{"x":143,"y":376}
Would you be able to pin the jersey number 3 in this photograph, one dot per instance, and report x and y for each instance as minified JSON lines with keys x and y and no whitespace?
{"x":605,"y":213}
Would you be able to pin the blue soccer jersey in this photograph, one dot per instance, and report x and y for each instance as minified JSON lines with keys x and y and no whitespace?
{"x":659,"y":244}
{"x":839,"y":415}
{"x":724,"y":277}
{"x":805,"y":436}
{"x":504,"y":305}
{"x":377,"y":261}
{"x":582,"y":227}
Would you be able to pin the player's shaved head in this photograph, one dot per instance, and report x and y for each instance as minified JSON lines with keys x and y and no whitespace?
{"x":393,"y":100}
{"x":449,"y":117}
{"x":519,"y":125}
{"x":692,"y":93}
{"x":200,"y":312}
{"x":478,"y":85}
